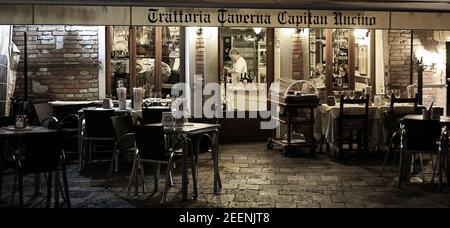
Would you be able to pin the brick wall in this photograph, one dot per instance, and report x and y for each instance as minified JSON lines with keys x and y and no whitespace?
{"x":399,"y":63}
{"x":62,"y":62}
{"x":399,"y":59}
{"x":297,"y":56}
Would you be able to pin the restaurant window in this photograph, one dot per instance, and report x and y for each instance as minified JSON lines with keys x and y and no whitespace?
{"x":341,"y":74}
{"x":245,"y":90}
{"x":120,"y":58}
{"x":344,"y":58}
{"x":147,"y":57}
{"x":171,"y":73}
{"x":145,"y":54}
{"x":317,"y":59}
{"x":363,"y":58}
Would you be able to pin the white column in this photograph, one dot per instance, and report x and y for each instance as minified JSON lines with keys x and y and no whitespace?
{"x":102,"y":62}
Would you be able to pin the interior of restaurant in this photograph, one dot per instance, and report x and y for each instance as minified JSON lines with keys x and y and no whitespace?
{"x":64,"y":69}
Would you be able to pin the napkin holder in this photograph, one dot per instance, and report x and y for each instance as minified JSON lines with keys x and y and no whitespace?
{"x":20,"y":122}
{"x":436,"y":113}
{"x":426,"y":113}
{"x":107,"y":103}
{"x":168,"y":120}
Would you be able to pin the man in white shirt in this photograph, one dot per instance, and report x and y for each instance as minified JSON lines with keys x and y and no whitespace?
{"x":239,"y":65}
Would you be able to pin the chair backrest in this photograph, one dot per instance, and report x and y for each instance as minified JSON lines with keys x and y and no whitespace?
{"x":42,"y":152}
{"x":5,"y":121}
{"x":54,"y":124}
{"x":153,"y":115}
{"x":414,"y":101}
{"x":150,"y":142}
{"x":98,"y":123}
{"x":343,"y":115}
{"x":122,"y":126}
{"x":444,"y":143}
{"x":70,"y":121}
{"x":421,"y":135}
{"x":43,"y":111}
{"x":204,"y":120}
{"x":391,"y":123}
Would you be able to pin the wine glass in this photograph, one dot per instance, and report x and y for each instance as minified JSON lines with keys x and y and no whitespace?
{"x":147,"y":103}
{"x":339,"y":82}
{"x":351,"y":94}
{"x":388,"y":94}
{"x":397,"y":93}
{"x":163,"y":102}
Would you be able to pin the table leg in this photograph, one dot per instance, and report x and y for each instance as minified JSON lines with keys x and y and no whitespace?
{"x":1,"y":178}
{"x":2,"y":156}
{"x":217,"y":180}
{"x":37,"y":184}
{"x":184,"y":181}
{"x":80,"y":144}
{"x":57,"y":188}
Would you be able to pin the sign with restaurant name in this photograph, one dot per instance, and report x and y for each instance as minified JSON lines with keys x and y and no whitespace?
{"x":28,"y":14}
{"x":208,"y":17}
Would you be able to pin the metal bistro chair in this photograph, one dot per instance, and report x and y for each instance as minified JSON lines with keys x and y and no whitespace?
{"x":151,"y":146}
{"x":98,"y":128}
{"x":42,"y":153}
{"x":204,"y":144}
{"x":418,"y":137}
{"x":4,"y":121}
{"x":125,"y":141}
{"x":69,"y":123}
{"x":353,"y":121}
{"x":392,"y":125}
{"x":153,"y":115}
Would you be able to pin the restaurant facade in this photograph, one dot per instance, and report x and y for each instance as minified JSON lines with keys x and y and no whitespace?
{"x":380,"y":43}
{"x":132,"y":56}
{"x":82,"y":52}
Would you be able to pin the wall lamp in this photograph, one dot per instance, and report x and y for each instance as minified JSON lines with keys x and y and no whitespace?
{"x":200,"y":31}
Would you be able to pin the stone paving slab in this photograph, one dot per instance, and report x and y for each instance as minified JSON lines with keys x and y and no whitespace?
{"x":254,"y":177}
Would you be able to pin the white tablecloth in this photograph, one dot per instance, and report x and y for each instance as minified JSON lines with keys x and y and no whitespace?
{"x":326,"y":122}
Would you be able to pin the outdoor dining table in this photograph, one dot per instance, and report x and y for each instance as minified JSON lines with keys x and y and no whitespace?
{"x":10,"y":132}
{"x":327,"y":116}
{"x":189,"y":130}
{"x":443,"y":120}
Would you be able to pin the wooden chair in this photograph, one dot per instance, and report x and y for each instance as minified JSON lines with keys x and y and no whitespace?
{"x":414,"y":101}
{"x":350,"y":122}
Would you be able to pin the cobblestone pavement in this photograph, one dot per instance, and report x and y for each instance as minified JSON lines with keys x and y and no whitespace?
{"x":253,"y":176}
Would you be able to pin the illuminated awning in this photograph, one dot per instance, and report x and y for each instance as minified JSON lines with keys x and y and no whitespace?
{"x":216,"y":17}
